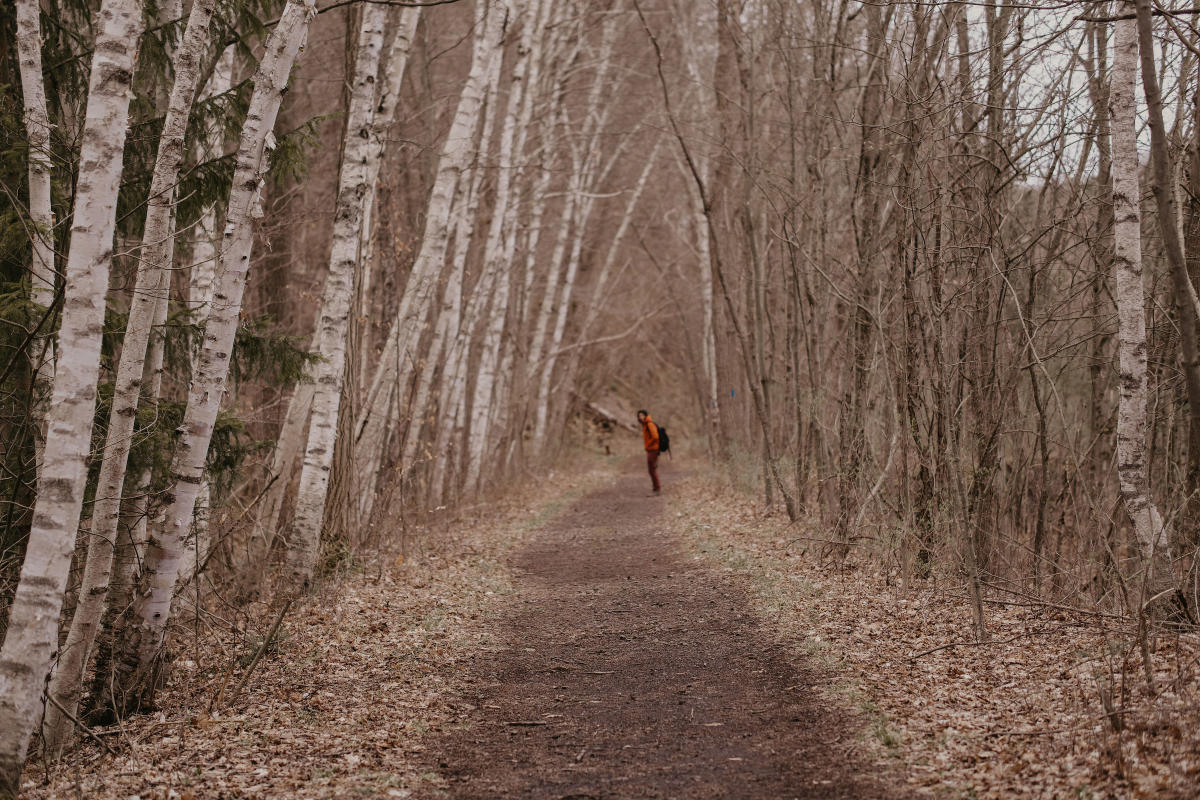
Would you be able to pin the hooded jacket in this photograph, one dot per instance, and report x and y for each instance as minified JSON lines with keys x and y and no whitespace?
{"x":650,"y":434}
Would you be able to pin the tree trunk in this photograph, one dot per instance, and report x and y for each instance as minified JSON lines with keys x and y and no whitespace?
{"x":1130,"y":298}
{"x":32,"y":634}
{"x":151,"y":284}
{"x":354,"y":185}
{"x":41,"y":268}
{"x":1168,"y":224}
{"x":135,"y":666}
{"x":395,"y":360}
{"x":395,"y":64}
{"x":498,"y":254}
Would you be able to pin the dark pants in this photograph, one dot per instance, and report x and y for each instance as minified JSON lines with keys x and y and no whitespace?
{"x":652,"y":465}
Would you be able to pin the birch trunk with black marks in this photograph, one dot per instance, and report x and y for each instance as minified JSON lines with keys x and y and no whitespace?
{"x":392,"y":70}
{"x":32,"y":635}
{"x":1130,"y":297}
{"x":460,"y":321}
{"x":396,"y":360}
{"x":136,"y":659}
{"x":151,"y":285}
{"x":354,"y":185}
{"x":499,"y":249}
{"x":41,"y":217}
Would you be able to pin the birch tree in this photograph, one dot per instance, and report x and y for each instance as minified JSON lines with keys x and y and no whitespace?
{"x":291,"y":436}
{"x":1129,"y":294}
{"x":585,"y":164}
{"x":499,"y":248}
{"x":1165,"y":188}
{"x":354,"y":184}
{"x":41,"y":268}
{"x":459,"y":320}
{"x":394,"y":67}
{"x":396,"y":358}
{"x":32,"y":635}
{"x":141,"y":640}
{"x":151,"y":287}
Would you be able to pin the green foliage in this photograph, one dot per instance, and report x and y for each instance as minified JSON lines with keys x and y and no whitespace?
{"x":289,"y":159}
{"x":231,"y":446}
{"x":261,"y":354}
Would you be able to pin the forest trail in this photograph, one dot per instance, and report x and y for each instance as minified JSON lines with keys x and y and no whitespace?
{"x":630,"y":669}
{"x":569,"y":605}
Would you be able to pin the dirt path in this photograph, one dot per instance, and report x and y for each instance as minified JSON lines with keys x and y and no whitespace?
{"x":641,"y":669}
{"x":630,"y":669}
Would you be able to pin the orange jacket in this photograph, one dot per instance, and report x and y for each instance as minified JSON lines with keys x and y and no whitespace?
{"x":650,"y":434}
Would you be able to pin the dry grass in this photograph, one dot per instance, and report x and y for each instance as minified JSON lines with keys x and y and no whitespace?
{"x":1056,"y":705}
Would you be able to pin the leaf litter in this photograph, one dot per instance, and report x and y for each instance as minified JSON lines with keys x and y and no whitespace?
{"x":344,"y":700}
{"x":1055,"y":705}
{"x":365,"y":671}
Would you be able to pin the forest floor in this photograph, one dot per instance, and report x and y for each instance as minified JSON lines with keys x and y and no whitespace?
{"x":580,"y":639}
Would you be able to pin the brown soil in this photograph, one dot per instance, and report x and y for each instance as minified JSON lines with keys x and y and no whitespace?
{"x":631,"y":669}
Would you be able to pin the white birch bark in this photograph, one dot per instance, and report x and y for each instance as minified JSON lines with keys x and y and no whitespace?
{"x":396,"y":358}
{"x":552,"y":119}
{"x":129,"y":554}
{"x":499,"y":249}
{"x":200,"y":296}
{"x":447,"y":327}
{"x":454,"y":387}
{"x":151,"y":284}
{"x":392,"y":70}
{"x":543,"y":46}
{"x":453,"y":395}
{"x":32,"y":635}
{"x":459,"y":321}
{"x":199,"y":299}
{"x":354,"y":183}
{"x":204,"y":249}
{"x":564,"y":48}
{"x":485,"y":380}
{"x":129,"y":551}
{"x":142,"y":639}
{"x":41,"y":267}
{"x":583,"y":177}
{"x":291,"y":436}
{"x":1129,"y":293}
{"x":558,"y":271}
{"x":418,"y":292}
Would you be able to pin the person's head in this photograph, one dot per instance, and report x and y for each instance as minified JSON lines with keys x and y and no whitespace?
{"x":642,"y":415}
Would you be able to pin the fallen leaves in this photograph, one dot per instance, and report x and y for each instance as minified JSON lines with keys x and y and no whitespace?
{"x":339,"y":704}
{"x":1020,"y":716}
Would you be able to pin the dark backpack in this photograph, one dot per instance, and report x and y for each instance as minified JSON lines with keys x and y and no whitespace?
{"x":664,"y":441}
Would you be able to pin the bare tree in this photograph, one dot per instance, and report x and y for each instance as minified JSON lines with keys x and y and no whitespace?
{"x":32,"y":635}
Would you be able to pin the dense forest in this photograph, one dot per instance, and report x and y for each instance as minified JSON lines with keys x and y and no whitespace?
{"x":283,"y":281}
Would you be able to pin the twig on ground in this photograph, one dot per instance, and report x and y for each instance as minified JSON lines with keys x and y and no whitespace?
{"x":948,"y":645}
{"x":261,"y":649}
{"x":79,"y":724}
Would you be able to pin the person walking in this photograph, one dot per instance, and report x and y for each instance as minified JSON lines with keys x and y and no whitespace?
{"x":650,"y":439}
